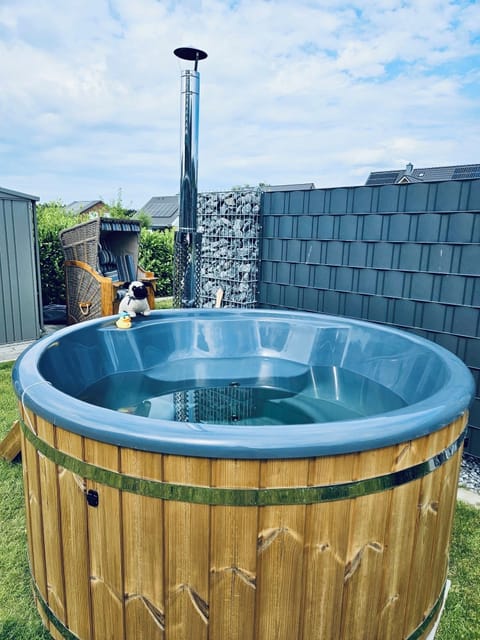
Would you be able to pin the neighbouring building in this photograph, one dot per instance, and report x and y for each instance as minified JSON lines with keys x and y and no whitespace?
{"x":86,"y":208}
{"x":163,"y":212}
{"x":410,"y":175}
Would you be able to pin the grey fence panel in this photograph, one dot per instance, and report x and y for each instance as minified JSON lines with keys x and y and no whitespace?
{"x":405,"y":255}
{"x":20,"y":310}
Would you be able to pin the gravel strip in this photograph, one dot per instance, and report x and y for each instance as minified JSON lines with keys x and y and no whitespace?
{"x":470,"y":473}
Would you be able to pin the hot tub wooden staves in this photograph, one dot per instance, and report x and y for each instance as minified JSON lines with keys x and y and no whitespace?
{"x":131,"y":545}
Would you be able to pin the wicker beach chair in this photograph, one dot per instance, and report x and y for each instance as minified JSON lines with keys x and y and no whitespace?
{"x":101,"y":255}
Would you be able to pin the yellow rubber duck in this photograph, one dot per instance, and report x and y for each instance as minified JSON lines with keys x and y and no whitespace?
{"x":124,"y":321}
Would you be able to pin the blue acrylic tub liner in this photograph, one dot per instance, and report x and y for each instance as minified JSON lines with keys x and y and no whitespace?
{"x":237,"y":346}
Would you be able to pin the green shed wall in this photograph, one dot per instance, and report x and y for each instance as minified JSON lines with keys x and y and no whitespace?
{"x":20,"y":292}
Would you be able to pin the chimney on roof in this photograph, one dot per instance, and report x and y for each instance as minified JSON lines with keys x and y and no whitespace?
{"x":409,"y":168}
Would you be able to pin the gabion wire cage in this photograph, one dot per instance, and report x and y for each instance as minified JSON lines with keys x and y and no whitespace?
{"x":230,"y":227}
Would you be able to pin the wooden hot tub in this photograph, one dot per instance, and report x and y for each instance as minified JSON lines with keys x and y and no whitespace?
{"x":141,"y":526}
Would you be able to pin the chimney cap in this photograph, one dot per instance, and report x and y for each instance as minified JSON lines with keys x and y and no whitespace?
{"x":190,"y":53}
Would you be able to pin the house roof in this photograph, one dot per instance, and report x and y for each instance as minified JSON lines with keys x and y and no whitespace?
{"x":81,"y":206}
{"x":8,"y":193}
{"x":426,"y":174}
{"x":289,"y":187}
{"x":163,"y":210}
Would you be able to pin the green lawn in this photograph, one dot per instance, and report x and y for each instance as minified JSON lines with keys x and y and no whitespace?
{"x":18,"y":617}
{"x":162,"y":303}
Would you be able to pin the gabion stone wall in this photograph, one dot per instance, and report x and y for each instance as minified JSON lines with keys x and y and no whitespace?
{"x":230,"y":228}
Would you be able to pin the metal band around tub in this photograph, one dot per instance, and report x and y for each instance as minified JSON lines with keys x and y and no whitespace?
{"x":68,"y":635}
{"x":236,"y":496}
{"x":51,"y":617}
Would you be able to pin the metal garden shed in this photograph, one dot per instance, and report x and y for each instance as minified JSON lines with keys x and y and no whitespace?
{"x":20,"y":287}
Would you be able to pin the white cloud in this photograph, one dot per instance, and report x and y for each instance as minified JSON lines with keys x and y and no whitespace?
{"x":311,"y":91}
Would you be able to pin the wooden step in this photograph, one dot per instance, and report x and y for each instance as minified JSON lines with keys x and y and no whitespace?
{"x":10,"y":446}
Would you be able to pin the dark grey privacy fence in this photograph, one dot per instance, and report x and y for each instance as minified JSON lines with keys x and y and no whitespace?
{"x":403,"y":255}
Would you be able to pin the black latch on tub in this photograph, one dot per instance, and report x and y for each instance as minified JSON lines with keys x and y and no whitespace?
{"x":92,"y":498}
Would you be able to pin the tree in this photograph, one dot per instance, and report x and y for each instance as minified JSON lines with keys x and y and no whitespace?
{"x":51,"y":219}
{"x":156,"y":254}
{"x":116,"y":209}
{"x":144,"y":219}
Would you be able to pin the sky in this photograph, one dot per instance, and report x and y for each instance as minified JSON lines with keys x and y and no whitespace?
{"x":292,"y":91}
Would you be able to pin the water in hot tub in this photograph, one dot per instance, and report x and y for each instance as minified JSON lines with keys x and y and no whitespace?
{"x":322,"y":394}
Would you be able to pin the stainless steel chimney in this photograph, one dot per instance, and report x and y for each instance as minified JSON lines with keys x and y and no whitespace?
{"x":188,"y":241}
